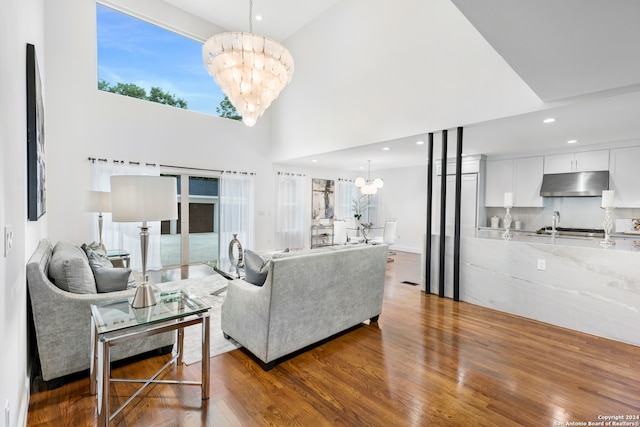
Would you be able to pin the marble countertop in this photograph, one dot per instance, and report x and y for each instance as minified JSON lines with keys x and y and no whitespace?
{"x":628,"y":243}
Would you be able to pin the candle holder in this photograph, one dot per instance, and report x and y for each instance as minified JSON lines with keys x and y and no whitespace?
{"x":607,"y":224}
{"x":507,"y":235}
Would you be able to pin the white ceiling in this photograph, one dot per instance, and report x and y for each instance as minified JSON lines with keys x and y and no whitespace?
{"x":280,"y":18}
{"x":580,"y":57}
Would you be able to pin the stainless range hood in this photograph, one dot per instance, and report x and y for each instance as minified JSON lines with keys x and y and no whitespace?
{"x":575,"y":184}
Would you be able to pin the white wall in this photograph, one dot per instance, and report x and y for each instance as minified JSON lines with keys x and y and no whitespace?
{"x":20,"y":23}
{"x":83,"y":122}
{"x":400,"y":79}
{"x":404,"y":197}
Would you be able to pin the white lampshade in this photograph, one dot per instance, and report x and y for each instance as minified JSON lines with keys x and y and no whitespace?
{"x":97,"y":201}
{"x":137,"y":198}
{"x":369,"y":189}
{"x":367,"y":186}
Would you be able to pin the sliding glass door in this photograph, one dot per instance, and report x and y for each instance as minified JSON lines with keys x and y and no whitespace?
{"x":193,"y":238}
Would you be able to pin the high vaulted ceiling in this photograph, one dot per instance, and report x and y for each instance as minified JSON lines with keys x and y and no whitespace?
{"x":574,"y":60}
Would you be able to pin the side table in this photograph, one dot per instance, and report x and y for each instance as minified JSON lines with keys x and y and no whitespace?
{"x":119,"y":257}
{"x":115,"y":322}
{"x":227,"y":270}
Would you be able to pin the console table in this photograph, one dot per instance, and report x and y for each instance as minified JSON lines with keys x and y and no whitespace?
{"x":115,"y":322}
{"x":321,"y":235}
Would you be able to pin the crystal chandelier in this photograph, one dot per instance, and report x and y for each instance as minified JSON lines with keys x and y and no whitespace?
{"x":367,"y":186}
{"x":250,"y":69}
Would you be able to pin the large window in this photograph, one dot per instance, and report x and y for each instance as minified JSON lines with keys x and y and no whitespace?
{"x":142,"y":60}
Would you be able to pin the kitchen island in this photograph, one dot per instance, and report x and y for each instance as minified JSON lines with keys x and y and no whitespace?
{"x":568,"y":282}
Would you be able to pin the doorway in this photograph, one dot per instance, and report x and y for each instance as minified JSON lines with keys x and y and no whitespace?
{"x":194,"y":237}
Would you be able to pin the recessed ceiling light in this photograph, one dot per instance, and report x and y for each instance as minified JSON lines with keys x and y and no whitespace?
{"x":313,"y":161}
{"x":258,"y":17}
{"x":549,"y":120}
{"x":386,"y":148}
{"x":572,"y":141}
{"x":420,"y":142}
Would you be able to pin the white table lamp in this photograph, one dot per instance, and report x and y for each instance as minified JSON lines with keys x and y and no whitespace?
{"x":508,"y":204}
{"x":141,"y":198}
{"x":608,"y":199}
{"x":98,"y":201}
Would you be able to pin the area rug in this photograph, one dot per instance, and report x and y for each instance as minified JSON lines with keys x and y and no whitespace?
{"x":210,"y":290}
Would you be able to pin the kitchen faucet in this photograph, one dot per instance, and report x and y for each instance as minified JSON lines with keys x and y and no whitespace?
{"x":555,"y":220}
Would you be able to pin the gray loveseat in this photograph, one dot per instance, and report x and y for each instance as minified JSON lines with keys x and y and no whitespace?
{"x":62,"y":319}
{"x":308,"y":296}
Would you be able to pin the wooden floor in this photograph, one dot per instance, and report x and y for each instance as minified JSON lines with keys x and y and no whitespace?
{"x":429,"y":361}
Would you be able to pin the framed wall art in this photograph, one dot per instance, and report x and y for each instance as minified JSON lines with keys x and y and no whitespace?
{"x":37,"y":194}
{"x":322,"y":203}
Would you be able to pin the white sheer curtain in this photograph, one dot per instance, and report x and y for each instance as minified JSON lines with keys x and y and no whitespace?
{"x":126,"y":235}
{"x":347,"y":193}
{"x":290,"y":223}
{"x":372,"y":210}
{"x":237,"y":201}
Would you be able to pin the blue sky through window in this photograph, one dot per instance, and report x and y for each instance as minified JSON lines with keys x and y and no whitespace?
{"x":134,"y":51}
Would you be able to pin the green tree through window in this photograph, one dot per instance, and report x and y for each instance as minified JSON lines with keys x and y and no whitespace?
{"x":227,"y":110}
{"x":134,"y":91}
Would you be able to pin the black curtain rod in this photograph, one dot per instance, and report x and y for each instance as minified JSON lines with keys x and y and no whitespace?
{"x":193,"y":169}
{"x":291,"y":173}
{"x":94,"y":159}
{"x":240,"y":172}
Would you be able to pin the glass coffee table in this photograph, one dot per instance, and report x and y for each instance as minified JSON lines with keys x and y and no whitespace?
{"x":115,"y":322}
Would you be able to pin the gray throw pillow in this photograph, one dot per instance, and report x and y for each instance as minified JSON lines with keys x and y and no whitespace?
{"x":70,"y":270}
{"x":255,"y":268}
{"x":108,"y":278}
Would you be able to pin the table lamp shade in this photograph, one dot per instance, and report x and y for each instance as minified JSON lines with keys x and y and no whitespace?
{"x":97,"y":201}
{"x":137,"y":198}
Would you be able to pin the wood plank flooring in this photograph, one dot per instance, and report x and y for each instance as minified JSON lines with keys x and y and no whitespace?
{"x":429,"y":361}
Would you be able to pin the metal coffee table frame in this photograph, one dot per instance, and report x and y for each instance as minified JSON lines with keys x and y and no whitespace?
{"x":178,"y":311}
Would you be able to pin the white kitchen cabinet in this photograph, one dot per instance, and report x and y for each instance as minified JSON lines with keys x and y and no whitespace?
{"x":597,"y":160}
{"x":498,"y":180}
{"x":522,"y":177}
{"x":623,"y":176}
{"x":527,"y":182}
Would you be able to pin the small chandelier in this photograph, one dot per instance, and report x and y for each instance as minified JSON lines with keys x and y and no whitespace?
{"x":250,"y":69}
{"x":367,"y":186}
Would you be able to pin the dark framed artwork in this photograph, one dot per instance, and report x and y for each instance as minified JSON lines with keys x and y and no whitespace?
{"x":37,"y":193}
{"x":322,"y":203}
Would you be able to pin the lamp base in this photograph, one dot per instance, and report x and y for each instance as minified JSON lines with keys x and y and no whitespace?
{"x":144,"y":297}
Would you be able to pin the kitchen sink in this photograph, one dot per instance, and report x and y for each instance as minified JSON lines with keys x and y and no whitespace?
{"x":572,"y":232}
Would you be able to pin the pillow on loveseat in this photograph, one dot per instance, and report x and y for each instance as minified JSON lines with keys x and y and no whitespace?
{"x":108,"y":278}
{"x":69,"y":269}
{"x":255,"y":268}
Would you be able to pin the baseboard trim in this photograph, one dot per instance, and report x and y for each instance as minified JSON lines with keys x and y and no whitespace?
{"x":405,"y":249}
{"x":24,"y":403}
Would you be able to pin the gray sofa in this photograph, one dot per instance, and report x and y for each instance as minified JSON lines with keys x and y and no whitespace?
{"x":308,"y":296}
{"x":62,"y":319}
